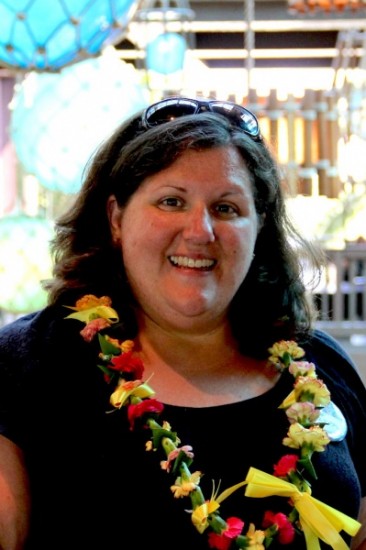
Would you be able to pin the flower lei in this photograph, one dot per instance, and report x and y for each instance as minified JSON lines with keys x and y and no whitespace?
{"x":308,"y":516}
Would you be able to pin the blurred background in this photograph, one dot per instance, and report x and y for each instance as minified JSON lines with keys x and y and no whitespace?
{"x":71,"y":70}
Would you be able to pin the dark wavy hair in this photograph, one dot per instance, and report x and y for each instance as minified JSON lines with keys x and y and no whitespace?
{"x":272,"y":302}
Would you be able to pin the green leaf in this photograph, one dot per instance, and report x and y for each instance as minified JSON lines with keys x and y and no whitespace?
{"x":110,"y":373}
{"x":107,"y":347}
{"x":308,"y":465}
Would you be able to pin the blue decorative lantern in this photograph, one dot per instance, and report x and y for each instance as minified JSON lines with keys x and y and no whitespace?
{"x":25,"y":261}
{"x":46,"y":36}
{"x":165,"y":54}
{"x":58,"y":120}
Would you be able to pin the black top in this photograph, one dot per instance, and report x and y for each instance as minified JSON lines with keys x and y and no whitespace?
{"x":93,"y":483}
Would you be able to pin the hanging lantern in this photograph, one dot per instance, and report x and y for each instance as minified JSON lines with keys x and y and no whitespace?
{"x":58,"y":120}
{"x":165,"y":54}
{"x":37,"y":36}
{"x":24,"y":262}
{"x":161,"y":29}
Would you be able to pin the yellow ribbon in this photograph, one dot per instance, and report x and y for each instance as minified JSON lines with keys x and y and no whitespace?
{"x":318,"y":520}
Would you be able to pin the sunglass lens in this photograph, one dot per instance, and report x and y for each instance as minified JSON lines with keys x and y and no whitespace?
{"x":169,"y":110}
{"x":238,"y":115}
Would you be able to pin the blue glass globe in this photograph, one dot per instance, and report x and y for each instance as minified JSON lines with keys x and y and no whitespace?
{"x":165,"y":54}
{"x":58,"y":120}
{"x":46,"y":36}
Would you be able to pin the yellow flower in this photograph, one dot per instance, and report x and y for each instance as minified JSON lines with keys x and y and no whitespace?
{"x":201,"y":513}
{"x":307,"y":388}
{"x":256,"y":538}
{"x":125,"y":389}
{"x":281,"y":350}
{"x":311,"y":389}
{"x":314,"y":438}
{"x":183,"y":487}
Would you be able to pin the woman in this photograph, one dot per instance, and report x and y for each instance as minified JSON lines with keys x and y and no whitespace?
{"x":181,"y":264}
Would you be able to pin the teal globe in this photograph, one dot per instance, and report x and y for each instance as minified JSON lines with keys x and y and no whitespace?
{"x":58,"y":120}
{"x":47,"y":35}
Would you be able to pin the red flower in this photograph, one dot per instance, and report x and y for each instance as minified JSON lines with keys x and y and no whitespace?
{"x":127,"y":363}
{"x":145,"y":406}
{"x":223,"y":540}
{"x":285,"y":465}
{"x":285,"y":529}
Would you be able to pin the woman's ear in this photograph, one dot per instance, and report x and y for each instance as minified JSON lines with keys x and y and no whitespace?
{"x":114,"y":213}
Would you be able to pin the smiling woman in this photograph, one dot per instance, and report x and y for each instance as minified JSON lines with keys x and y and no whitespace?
{"x":177,"y":257}
{"x":195,"y":237}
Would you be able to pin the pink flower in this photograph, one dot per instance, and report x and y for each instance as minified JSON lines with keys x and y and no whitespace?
{"x":223,"y":540}
{"x":94,"y":326}
{"x":302,"y":368}
{"x":285,"y":465}
{"x":285,"y":529}
{"x":186,"y":449}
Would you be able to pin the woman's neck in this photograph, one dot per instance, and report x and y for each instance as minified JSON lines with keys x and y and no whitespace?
{"x":202,"y":369}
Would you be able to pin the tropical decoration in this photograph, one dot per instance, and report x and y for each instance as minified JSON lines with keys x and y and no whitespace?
{"x":58,"y":120}
{"x":165,"y":54}
{"x":46,"y":36}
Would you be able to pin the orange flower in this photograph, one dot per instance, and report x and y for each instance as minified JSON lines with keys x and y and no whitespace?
{"x":89,"y":301}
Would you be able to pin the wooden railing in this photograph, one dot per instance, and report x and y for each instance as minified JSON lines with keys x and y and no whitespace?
{"x":341,"y":294}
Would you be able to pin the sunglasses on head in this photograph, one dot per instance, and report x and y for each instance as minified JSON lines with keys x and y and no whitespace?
{"x":176,"y":107}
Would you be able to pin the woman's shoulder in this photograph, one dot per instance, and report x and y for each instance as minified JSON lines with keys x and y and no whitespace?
{"x":27,"y":336}
{"x":329,"y":353}
{"x":22,"y":332}
{"x":336,"y":368}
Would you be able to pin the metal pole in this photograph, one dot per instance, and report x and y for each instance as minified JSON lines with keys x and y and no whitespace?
{"x":249,"y":39}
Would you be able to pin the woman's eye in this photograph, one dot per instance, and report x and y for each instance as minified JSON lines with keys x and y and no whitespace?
{"x":170,"y":202}
{"x":227,"y":210}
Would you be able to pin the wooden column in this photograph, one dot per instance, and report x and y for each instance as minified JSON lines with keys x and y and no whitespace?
{"x":290,"y":107}
{"x":308,"y":172}
{"x":323,"y":143}
{"x":333,"y":137}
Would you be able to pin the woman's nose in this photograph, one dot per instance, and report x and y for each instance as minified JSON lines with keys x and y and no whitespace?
{"x":199,"y":225}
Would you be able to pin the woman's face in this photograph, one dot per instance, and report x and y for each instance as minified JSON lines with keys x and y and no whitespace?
{"x":187,"y":237}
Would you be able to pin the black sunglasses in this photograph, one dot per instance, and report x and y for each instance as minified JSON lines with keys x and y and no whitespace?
{"x":176,"y":107}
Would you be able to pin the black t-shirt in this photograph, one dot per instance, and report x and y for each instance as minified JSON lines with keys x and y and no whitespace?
{"x":93,"y":482}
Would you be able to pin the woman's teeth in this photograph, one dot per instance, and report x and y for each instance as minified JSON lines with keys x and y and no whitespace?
{"x":183,"y":261}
